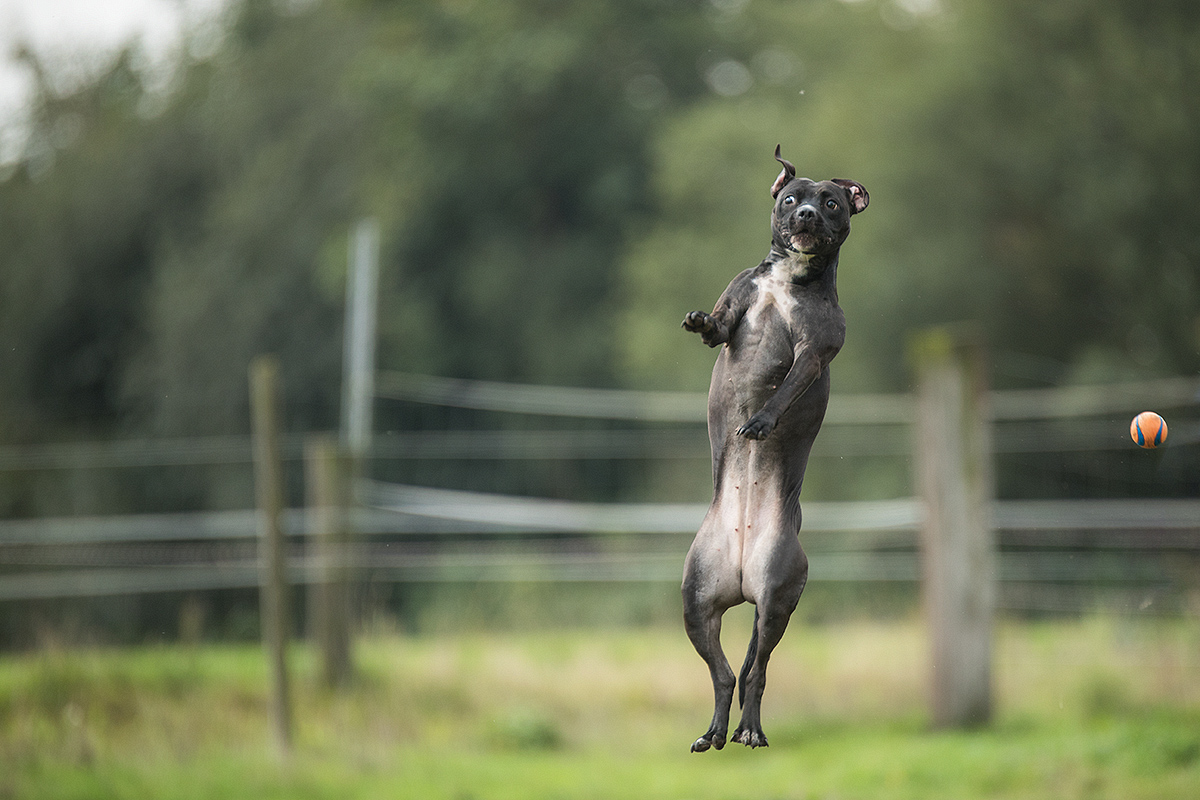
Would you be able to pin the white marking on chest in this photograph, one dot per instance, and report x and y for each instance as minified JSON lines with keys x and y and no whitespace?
{"x":775,"y":288}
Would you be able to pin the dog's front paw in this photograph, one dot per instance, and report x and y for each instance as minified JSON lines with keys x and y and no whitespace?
{"x":699,"y":322}
{"x":711,"y":331}
{"x":757,"y":427}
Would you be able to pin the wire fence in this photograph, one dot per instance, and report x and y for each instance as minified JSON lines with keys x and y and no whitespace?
{"x":1140,"y":555}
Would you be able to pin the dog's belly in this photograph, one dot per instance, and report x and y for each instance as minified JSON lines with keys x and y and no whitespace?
{"x":747,"y":546}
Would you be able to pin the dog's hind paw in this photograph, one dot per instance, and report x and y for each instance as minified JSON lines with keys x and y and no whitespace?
{"x":708,"y":740}
{"x":750,"y":738}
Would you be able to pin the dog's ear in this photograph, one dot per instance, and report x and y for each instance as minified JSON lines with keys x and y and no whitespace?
{"x":785,"y":177}
{"x":858,"y":195}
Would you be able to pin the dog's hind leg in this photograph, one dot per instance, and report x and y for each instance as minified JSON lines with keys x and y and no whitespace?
{"x":771,"y":617}
{"x":767,"y":634}
{"x":703,"y":623}
{"x":751,"y":655}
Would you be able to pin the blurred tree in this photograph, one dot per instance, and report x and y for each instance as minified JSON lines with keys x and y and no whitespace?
{"x":275,"y":133}
{"x":811,"y":81}
{"x":169,"y":236}
{"x":80,"y":216}
{"x":1084,"y":127}
{"x":515,"y":161}
{"x":1029,"y":166}
{"x":162,"y":239}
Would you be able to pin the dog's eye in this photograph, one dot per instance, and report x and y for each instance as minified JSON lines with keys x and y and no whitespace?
{"x":790,"y":200}
{"x":831,"y":205}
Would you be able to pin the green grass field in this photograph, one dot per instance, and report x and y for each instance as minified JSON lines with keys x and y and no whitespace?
{"x":1099,"y":709}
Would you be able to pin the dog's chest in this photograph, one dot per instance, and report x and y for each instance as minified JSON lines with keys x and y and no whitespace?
{"x":775,"y":302}
{"x":782,"y":317}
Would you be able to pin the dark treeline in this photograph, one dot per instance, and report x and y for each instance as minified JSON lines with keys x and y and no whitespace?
{"x":557,"y":183}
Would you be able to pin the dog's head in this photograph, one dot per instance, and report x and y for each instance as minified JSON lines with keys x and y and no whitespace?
{"x":813,"y":217}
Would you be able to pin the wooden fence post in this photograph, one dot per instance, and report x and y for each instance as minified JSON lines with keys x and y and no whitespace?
{"x":954,"y":478}
{"x":273,"y":594}
{"x":329,"y":591}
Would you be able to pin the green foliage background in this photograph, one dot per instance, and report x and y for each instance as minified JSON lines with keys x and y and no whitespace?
{"x":559,"y":182}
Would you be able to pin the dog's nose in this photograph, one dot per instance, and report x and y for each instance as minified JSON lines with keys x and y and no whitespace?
{"x":806,"y":212}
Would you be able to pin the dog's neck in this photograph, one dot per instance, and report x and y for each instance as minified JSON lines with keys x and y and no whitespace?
{"x":803,"y":268}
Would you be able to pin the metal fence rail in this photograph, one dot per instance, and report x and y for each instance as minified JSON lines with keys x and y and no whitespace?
{"x":855,"y":424}
{"x":417,"y":534}
{"x":410,"y":533}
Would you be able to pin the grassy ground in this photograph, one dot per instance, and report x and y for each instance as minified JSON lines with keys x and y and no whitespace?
{"x":1086,"y":710}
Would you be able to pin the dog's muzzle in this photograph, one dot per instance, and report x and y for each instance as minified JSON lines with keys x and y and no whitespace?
{"x":804,"y":231}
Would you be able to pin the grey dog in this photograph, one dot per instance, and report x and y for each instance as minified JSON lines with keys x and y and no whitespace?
{"x":781,"y":326}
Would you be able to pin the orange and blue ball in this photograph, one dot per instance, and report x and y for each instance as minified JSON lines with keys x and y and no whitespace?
{"x":1148,"y":430}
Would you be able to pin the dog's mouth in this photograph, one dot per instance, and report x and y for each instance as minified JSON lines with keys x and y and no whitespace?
{"x":806,"y":241}
{"x":806,"y":236}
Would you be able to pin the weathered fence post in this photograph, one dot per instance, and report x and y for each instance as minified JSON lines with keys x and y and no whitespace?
{"x":954,"y":478}
{"x":273,"y":594}
{"x":329,"y":590}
